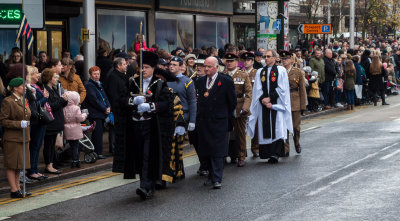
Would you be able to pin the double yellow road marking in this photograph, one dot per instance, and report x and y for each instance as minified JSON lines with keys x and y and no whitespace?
{"x":61,"y":186}
{"x":72,"y":184}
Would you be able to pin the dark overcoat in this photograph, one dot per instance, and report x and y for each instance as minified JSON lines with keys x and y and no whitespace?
{"x":214,"y":112}
{"x":117,"y":90}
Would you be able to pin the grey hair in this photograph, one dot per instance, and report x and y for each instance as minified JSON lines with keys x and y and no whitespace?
{"x":118,"y":61}
{"x":274,"y":53}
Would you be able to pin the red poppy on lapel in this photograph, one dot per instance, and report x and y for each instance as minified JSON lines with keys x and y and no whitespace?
{"x":272,"y":72}
{"x":219,"y":83}
{"x":149,"y":92}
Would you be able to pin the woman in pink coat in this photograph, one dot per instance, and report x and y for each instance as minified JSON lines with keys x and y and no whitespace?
{"x":72,"y":128}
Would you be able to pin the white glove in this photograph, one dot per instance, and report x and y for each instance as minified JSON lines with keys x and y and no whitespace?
{"x":191,"y":126}
{"x":24,"y":123}
{"x":139,"y":100}
{"x":143,"y":108}
{"x":179,"y":130}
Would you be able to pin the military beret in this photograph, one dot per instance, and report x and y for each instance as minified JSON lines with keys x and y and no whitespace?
{"x":15,"y":82}
{"x":247,"y":55}
{"x":230,"y":56}
{"x":258,"y":53}
{"x":177,"y":59}
{"x":284,"y":53}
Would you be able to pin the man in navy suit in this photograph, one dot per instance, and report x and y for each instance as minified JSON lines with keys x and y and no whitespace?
{"x":216,"y":103}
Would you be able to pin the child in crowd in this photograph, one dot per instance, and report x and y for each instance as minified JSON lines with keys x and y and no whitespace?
{"x":72,"y":128}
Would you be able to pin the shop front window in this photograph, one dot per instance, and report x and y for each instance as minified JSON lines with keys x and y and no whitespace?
{"x":211,"y":31}
{"x":7,"y":42}
{"x":245,"y":35}
{"x":174,"y":31}
{"x":118,"y":29}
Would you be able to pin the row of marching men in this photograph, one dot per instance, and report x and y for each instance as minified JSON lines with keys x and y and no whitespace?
{"x":215,"y":108}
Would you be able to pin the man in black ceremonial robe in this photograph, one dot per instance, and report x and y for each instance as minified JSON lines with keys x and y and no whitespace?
{"x":151,"y":112}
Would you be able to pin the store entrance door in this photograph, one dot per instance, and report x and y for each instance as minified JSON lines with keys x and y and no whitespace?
{"x":52,"y":39}
{"x":246,"y":35}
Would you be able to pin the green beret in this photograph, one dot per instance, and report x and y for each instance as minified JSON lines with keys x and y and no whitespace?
{"x":15,"y":82}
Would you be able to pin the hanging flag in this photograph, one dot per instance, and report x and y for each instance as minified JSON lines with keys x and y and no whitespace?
{"x":25,"y":29}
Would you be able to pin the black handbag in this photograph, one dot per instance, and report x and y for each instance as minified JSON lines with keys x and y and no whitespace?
{"x":44,"y":116}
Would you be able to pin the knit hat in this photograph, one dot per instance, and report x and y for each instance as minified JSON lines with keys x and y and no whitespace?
{"x":15,"y":82}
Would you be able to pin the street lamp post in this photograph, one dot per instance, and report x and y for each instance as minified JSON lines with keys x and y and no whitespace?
{"x":351,"y":24}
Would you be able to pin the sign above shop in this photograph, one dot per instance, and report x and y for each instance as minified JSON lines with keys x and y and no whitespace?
{"x":206,"y":6}
{"x":11,"y":13}
{"x":315,"y":28}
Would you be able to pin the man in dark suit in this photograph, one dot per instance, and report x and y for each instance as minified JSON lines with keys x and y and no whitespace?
{"x":216,"y":103}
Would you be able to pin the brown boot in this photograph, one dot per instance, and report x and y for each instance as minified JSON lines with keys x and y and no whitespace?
{"x":352,"y":107}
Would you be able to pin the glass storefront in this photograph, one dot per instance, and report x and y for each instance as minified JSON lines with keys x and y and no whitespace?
{"x":245,"y":34}
{"x":118,"y":29}
{"x":7,"y":42}
{"x":174,"y":30}
{"x":211,"y":31}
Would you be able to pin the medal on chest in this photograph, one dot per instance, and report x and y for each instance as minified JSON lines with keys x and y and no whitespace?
{"x":206,"y":94}
{"x":263,"y":77}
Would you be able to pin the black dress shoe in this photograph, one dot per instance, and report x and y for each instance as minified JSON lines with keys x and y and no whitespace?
{"x":26,"y":193}
{"x":208,"y":182}
{"x":55,"y":172}
{"x":101,"y":157}
{"x":234,"y":161}
{"x":217,"y":185}
{"x":16,"y":194}
{"x":385,"y":103}
{"x":272,"y":160}
{"x":143,"y":193}
{"x":255,"y":155}
{"x":40,"y":178}
{"x":298,"y":149}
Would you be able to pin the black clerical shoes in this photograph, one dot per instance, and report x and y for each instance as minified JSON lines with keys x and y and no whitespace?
{"x":143,"y":193}
{"x":217,"y":185}
{"x":255,"y":154}
{"x":298,"y":149}
{"x":272,"y":160}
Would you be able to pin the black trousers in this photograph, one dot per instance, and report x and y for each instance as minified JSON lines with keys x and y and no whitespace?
{"x":142,"y":135}
{"x":215,"y":167}
{"x":49,"y":148}
{"x":97,"y":136}
{"x":193,"y":138}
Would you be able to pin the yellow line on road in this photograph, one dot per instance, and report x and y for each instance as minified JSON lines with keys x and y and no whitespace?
{"x":62,"y":186}
{"x":73,"y":183}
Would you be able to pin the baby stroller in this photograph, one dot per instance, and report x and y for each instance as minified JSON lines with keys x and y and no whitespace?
{"x":367,"y":98}
{"x":314,"y":102}
{"x":85,"y":145}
